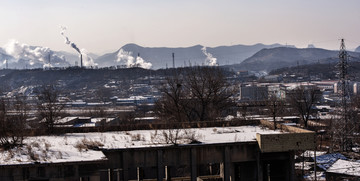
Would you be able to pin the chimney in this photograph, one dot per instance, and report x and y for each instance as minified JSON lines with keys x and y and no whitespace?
{"x":50,"y":58}
{"x":173,"y":57}
{"x":81,"y":61}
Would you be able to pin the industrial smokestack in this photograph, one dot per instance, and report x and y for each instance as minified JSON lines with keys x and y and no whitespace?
{"x":50,"y":58}
{"x":81,"y":61}
{"x":87,"y":59}
{"x":173,"y":58}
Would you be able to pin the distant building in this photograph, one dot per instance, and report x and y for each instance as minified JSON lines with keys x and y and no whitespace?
{"x":325,"y":85}
{"x":243,"y":73}
{"x":273,"y":78}
{"x":135,"y":100}
{"x":278,"y":90}
{"x":253,"y":93}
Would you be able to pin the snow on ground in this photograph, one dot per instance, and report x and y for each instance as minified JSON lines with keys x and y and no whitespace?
{"x":49,"y":149}
{"x":78,"y":146}
{"x":345,"y":167}
{"x":320,"y":176}
{"x":307,"y":165}
{"x":310,"y":153}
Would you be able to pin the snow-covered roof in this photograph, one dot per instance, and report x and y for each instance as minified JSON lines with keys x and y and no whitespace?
{"x":325,"y":161}
{"x":49,"y":149}
{"x":71,"y":147}
{"x":96,"y":120}
{"x":146,"y":118}
{"x":65,"y":120}
{"x":345,"y":167}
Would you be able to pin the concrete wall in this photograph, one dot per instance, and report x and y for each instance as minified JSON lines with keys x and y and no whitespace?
{"x":232,"y":161}
{"x":293,"y":139}
{"x":51,"y":172}
{"x":285,"y":142}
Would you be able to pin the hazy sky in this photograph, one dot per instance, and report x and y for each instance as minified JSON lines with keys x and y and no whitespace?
{"x":106,"y":25}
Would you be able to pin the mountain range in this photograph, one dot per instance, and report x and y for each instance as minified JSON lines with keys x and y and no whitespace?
{"x":258,"y":57}
{"x":161,"y":57}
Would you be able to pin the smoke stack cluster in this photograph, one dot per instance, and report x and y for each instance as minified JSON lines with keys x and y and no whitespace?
{"x":24,"y":55}
{"x":88,"y":60}
{"x":126,"y":58}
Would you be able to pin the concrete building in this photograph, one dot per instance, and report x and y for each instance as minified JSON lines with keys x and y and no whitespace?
{"x":249,"y":152}
{"x":253,"y":93}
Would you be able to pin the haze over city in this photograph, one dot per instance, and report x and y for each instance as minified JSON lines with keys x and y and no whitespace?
{"x":100,"y":27}
{"x":179,"y":90}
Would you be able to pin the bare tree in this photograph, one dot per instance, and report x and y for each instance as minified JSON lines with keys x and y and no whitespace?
{"x":13,"y":115}
{"x":198,"y":94}
{"x":274,"y":107}
{"x":302,"y":99}
{"x":209,"y":91}
{"x":172,"y":106}
{"x":49,"y":108}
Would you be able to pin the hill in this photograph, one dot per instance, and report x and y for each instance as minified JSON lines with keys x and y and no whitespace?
{"x":79,"y":79}
{"x":161,"y":57}
{"x":357,"y":49}
{"x":275,"y":58}
{"x":322,"y":70}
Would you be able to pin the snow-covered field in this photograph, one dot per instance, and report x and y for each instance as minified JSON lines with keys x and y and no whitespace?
{"x":79,"y":146}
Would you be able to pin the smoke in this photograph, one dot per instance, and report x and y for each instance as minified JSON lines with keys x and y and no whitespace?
{"x":21,"y":55}
{"x":23,"y":51}
{"x":87,"y":60}
{"x":210,"y":60}
{"x":127,"y":59}
{"x":67,"y":41}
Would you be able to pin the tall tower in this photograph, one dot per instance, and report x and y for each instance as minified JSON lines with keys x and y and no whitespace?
{"x":343,"y":127}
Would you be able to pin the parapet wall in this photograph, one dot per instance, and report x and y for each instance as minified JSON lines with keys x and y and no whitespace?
{"x":293,"y":138}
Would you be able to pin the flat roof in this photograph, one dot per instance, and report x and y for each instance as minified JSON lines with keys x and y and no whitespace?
{"x":65,"y":148}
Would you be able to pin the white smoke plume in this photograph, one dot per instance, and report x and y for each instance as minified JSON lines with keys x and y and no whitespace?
{"x":18,"y":50}
{"x":87,"y":60}
{"x":127,"y":59}
{"x":210,"y":60}
{"x":21,"y":55}
{"x":33,"y":55}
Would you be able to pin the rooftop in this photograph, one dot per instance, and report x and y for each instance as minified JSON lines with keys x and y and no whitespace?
{"x":73,"y":147}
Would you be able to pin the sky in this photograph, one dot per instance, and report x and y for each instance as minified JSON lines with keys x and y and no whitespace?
{"x":105,"y":26}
